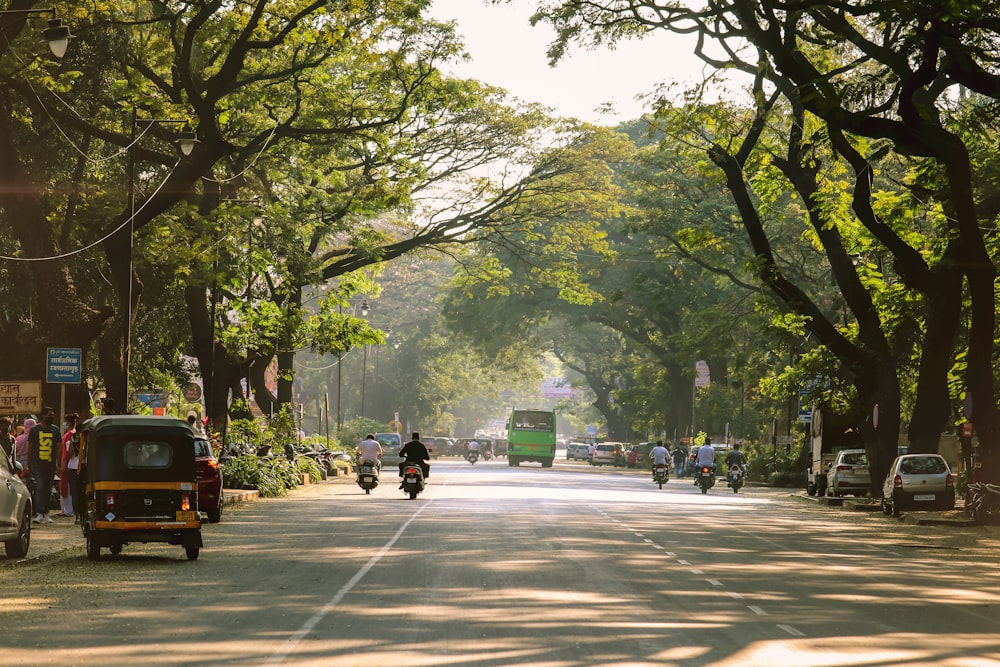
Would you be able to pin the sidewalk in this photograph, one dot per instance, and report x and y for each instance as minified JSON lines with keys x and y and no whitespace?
{"x":955,"y":517}
{"x":62,"y":533}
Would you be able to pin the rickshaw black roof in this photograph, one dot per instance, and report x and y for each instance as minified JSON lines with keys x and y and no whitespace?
{"x":115,"y":423}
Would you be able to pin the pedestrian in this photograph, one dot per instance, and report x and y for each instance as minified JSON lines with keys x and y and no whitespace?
{"x":43,"y":443}
{"x":66,"y":494}
{"x":21,"y":451}
{"x":6,"y":438}
{"x":679,"y":457}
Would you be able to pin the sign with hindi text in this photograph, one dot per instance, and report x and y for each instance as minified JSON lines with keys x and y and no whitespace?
{"x":20,"y":397}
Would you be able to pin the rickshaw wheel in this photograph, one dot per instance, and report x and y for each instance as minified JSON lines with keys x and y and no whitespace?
{"x":93,"y":549}
{"x":192,"y":553}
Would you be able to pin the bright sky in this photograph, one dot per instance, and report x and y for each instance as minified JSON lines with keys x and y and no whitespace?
{"x":507,"y":52}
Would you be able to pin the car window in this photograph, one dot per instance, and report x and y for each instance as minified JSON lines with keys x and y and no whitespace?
{"x":856,"y":459}
{"x":930,"y":465}
{"x":148,"y":454}
{"x":202,"y":448}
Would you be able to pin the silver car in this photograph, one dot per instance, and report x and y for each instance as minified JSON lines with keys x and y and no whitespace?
{"x":849,"y":474}
{"x":918,"y":482}
{"x":15,"y":509}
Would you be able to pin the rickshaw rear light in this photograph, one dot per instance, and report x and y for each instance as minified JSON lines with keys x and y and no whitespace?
{"x":185,"y":501}
{"x":213,"y":463}
{"x":109,"y":499}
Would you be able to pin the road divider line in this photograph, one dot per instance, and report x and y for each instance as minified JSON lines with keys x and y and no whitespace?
{"x":293,"y":642}
{"x":714,"y":582}
{"x":757,"y":610}
{"x":792,"y":631}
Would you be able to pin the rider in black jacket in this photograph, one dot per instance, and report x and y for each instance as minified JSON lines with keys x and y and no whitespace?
{"x":415,"y":452}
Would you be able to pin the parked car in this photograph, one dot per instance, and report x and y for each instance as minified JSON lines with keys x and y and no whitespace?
{"x":609,"y":453}
{"x":918,"y":482}
{"x":391,"y":444}
{"x":15,"y":509}
{"x":208,"y":472}
{"x":848,"y":474}
{"x":577,"y":451}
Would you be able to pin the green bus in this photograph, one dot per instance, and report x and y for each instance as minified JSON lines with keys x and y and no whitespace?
{"x":531,"y":436}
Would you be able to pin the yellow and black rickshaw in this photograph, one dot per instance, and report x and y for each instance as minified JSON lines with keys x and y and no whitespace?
{"x":138,"y":477}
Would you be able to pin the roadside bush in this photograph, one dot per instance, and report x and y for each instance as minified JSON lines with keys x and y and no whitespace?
{"x":272,"y":477}
{"x":310,"y":467}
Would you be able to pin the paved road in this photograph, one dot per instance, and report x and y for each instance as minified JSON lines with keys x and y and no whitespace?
{"x":502,"y":566}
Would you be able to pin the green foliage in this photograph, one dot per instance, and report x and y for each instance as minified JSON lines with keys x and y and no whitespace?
{"x":272,"y":477}
{"x":310,"y":467}
{"x":354,"y":431}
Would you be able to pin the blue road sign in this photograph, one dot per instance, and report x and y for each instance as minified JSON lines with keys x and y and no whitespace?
{"x":64,"y":365}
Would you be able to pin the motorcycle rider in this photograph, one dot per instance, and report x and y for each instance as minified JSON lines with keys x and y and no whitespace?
{"x":659,"y":455}
{"x":415,"y":452}
{"x":370,"y":451}
{"x":734,"y":458}
{"x":473,"y":446}
{"x":706,"y":457}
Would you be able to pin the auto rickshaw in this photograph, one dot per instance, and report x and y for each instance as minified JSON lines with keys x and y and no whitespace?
{"x":139,"y":484}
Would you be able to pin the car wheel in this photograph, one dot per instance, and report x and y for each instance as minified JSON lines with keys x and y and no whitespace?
{"x":18,"y":547}
{"x":811,"y":489}
{"x":886,"y":508}
{"x":192,"y":553}
{"x":215,"y":515}
{"x":895,"y":507}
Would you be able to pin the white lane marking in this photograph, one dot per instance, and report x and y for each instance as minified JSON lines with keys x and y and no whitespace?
{"x":735,"y":596}
{"x":657,"y":546}
{"x":669,"y":553}
{"x":293,"y":642}
{"x":683,"y":562}
{"x":714,"y":582}
{"x":790,"y":630}
{"x":757,"y":610}
{"x":647,"y":540}
{"x":697,"y":571}
{"x":639,"y":535}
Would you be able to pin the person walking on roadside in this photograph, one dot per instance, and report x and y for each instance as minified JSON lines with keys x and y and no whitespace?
{"x":21,"y":448}
{"x":6,"y":438}
{"x":680,"y":459}
{"x":66,"y":495}
{"x":43,"y":443}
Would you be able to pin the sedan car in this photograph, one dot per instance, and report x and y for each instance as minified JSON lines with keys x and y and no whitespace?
{"x":848,"y":474}
{"x":918,"y":482}
{"x":15,"y":509}
{"x":209,"y":477}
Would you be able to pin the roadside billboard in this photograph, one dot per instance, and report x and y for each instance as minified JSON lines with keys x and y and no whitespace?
{"x":20,"y":397}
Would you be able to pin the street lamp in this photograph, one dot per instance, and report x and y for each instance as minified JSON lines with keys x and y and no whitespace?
{"x":57,"y":35}
{"x":185,"y":140}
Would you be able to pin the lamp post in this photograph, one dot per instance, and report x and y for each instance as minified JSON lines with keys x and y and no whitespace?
{"x":57,"y":35}
{"x":185,"y":141}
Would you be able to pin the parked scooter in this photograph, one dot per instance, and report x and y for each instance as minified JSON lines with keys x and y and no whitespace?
{"x":368,"y":476}
{"x":660,"y":474}
{"x":472,"y":456}
{"x":706,"y":478}
{"x":413,"y":479}
{"x":983,"y":502}
{"x":735,"y":478}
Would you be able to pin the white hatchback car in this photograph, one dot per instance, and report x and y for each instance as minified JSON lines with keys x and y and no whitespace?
{"x":15,"y":510}
{"x":918,"y":482}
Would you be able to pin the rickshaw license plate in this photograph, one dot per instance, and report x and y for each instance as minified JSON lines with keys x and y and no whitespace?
{"x":187,"y":516}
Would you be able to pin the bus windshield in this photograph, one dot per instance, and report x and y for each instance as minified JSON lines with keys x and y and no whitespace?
{"x":532,"y":420}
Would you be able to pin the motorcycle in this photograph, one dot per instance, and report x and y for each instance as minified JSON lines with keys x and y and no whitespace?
{"x":487,"y":455}
{"x":983,"y":503}
{"x":413,"y":479}
{"x":368,"y":476}
{"x":706,"y":478}
{"x":660,"y":475}
{"x":472,"y":456}
{"x":735,"y":477}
